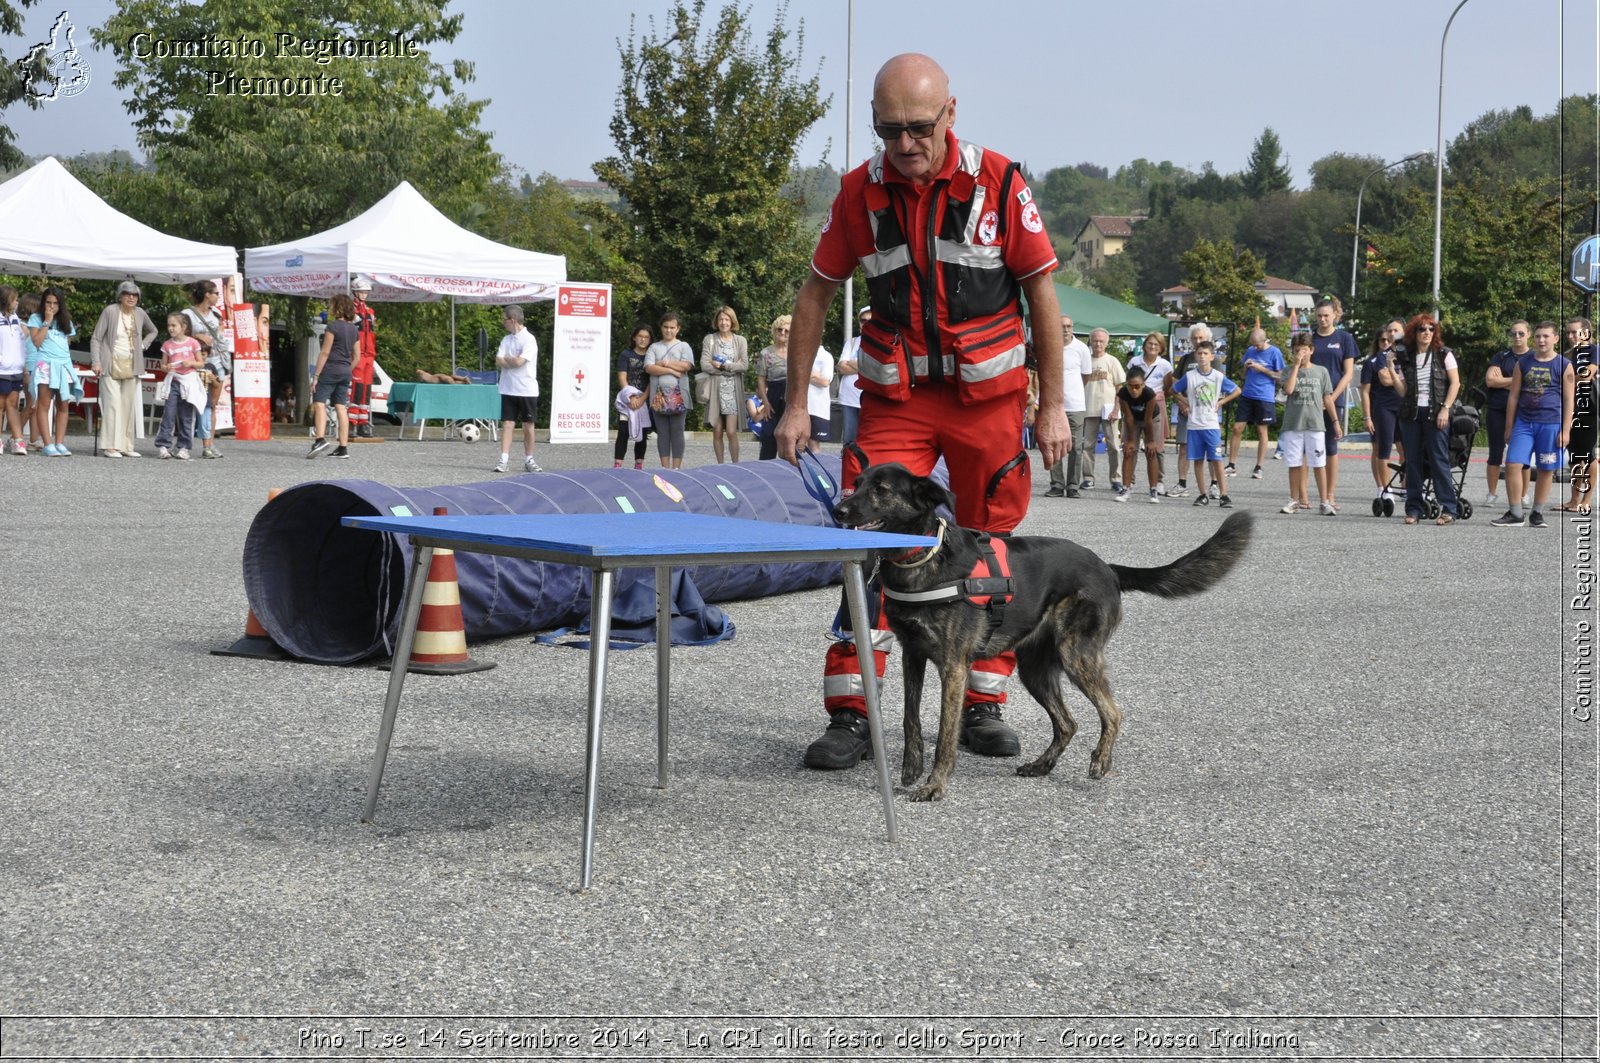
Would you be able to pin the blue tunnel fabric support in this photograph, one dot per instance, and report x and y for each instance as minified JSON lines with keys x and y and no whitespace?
{"x":332,"y":595}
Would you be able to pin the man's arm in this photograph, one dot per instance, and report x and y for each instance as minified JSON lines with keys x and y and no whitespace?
{"x":1050,"y":425}
{"x":805,"y":336}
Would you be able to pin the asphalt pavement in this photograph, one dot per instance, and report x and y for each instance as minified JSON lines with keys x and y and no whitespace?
{"x":1352,"y":813}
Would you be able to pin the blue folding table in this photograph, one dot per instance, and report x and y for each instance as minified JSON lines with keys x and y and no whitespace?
{"x":605,"y":543}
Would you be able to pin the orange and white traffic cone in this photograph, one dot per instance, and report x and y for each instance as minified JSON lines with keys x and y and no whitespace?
{"x":440,"y":647}
{"x":256,"y":642}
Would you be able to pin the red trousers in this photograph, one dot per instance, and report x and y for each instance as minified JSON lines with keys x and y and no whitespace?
{"x":991,"y":477}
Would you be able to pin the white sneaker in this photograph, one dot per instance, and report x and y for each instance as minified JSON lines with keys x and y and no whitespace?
{"x":1161,"y":488}
{"x":1121,"y":496}
{"x":1491,"y":499}
{"x":1328,"y":510}
{"x":163,"y":452}
{"x":500,"y":466}
{"x":111,"y":453}
{"x":182,"y":455}
{"x":1212,"y":492}
{"x":529,"y":465}
{"x":1290,"y":506}
{"x":1153,"y":499}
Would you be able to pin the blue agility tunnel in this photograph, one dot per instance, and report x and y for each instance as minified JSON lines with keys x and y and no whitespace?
{"x":332,"y":595}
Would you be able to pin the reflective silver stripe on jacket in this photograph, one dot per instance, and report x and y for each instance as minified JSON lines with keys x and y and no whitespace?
{"x":880,"y":262}
{"x":974,"y":256}
{"x":999,"y":365}
{"x":876,"y":370}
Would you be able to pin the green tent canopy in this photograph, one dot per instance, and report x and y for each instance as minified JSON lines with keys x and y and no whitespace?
{"x":1090,"y":310}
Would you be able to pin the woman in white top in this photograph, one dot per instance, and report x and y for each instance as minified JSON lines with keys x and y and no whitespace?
{"x":13,"y":358}
{"x":819,"y":398}
{"x":724,"y":357}
{"x":116,"y":354}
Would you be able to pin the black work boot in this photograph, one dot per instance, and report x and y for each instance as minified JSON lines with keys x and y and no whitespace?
{"x":843,"y":744}
{"x":985,"y":733}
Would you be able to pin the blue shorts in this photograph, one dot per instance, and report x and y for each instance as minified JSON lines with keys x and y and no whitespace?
{"x":9,"y":384}
{"x":1256,"y":411}
{"x":1205,"y":444}
{"x":1535,"y":444}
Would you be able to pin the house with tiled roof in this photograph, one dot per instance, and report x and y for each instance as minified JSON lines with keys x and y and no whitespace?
{"x":1284,"y":296}
{"x":1102,"y":236}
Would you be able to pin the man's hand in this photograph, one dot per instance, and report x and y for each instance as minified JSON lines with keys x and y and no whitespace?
{"x":1054,"y":433}
{"x":793,"y":433}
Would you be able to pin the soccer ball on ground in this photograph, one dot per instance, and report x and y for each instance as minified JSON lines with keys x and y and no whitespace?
{"x":470,"y":433}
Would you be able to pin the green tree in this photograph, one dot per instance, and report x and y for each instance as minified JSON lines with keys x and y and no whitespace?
{"x":235,"y":165}
{"x":706,"y":124}
{"x":241,"y":169}
{"x":1266,"y":172}
{"x":1224,"y":280}
{"x":14,"y":78}
{"x":1504,"y":256}
{"x":1157,"y":245}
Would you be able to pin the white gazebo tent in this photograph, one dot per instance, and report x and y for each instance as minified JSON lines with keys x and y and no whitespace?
{"x":52,"y":225}
{"x":412,"y":253}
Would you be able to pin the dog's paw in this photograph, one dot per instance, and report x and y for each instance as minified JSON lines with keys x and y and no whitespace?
{"x":1036,"y":768}
{"x":1098,"y":768}
{"x":910,"y":771}
{"x":930,"y":792}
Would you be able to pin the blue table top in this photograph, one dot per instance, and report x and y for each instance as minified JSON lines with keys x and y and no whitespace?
{"x":655,"y":535}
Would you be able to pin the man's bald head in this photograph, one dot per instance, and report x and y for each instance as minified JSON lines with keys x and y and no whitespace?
{"x":911,"y":72}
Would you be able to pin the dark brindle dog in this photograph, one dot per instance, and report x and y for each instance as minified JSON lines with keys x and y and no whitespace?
{"x":1066,"y":603}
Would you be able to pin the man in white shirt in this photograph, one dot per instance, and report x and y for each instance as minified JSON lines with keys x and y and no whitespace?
{"x":819,"y":398}
{"x":1075,"y":367}
{"x":518,"y":362}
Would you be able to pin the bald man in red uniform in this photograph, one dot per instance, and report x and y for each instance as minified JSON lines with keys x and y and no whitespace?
{"x":949,"y":237}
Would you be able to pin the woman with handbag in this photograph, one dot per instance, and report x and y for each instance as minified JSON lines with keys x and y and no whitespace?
{"x":116,"y":355}
{"x":668,"y":363}
{"x":772,"y":384}
{"x":724,"y":356}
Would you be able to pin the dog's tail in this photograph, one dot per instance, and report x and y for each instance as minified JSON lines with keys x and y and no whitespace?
{"x":1198,"y":570}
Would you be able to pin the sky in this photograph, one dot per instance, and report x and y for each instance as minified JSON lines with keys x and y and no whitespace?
{"x":1051,"y":85}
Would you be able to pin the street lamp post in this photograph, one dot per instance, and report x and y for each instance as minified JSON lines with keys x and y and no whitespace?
{"x":1438,"y":165}
{"x":1355,"y":251}
{"x":849,"y":158}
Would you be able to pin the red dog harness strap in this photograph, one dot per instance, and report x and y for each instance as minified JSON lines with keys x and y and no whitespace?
{"x":989,"y":585}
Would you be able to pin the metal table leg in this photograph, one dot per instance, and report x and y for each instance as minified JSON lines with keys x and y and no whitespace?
{"x":600,"y":641}
{"x":855,"y":589}
{"x":421,"y":562}
{"x":663,"y":670}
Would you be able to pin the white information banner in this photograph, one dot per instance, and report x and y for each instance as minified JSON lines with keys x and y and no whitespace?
{"x":580,"y":365}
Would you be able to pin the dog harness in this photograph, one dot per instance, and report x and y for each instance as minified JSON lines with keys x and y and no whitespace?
{"x":988,"y":586}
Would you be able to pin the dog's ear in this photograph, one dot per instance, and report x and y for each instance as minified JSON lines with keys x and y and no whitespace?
{"x":932,"y":494}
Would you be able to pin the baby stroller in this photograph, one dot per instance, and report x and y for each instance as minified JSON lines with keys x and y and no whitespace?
{"x":1464,"y":421}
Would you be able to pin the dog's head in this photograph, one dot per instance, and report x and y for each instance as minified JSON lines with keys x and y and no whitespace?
{"x":889,"y":498}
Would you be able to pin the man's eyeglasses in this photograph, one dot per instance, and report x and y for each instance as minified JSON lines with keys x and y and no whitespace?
{"x":889,"y":133}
